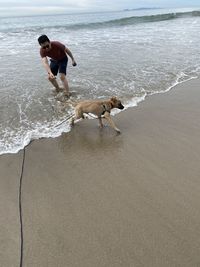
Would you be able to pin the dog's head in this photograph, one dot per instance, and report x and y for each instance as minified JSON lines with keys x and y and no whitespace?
{"x":116,"y":103}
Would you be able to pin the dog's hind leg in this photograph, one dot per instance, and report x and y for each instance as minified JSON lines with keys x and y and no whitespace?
{"x":100,"y":122}
{"x":72,"y":121}
{"x":78,"y":115}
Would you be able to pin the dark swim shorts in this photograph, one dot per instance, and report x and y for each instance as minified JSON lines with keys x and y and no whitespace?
{"x":59,"y":65}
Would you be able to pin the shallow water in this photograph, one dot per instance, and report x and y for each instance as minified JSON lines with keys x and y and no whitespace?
{"x":127,"y":54}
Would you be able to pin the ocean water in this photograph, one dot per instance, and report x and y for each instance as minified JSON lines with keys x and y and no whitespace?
{"x":129,"y":54}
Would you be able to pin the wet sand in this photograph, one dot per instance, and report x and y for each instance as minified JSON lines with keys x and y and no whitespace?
{"x":95,"y":198}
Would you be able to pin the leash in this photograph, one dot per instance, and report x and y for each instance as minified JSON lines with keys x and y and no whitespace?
{"x":90,"y":115}
{"x":64,"y":120}
{"x":20,"y":211}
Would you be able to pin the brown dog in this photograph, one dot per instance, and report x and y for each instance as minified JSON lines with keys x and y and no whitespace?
{"x":99,"y":108}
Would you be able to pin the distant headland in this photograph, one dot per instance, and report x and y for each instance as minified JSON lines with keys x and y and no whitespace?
{"x":141,"y":8}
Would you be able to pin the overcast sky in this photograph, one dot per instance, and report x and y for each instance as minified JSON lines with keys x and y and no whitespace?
{"x":37,"y":7}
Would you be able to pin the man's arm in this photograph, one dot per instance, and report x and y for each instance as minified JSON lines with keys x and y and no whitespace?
{"x":71,"y":56}
{"x":47,"y":67}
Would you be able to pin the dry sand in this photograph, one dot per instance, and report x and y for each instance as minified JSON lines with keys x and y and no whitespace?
{"x":92,"y":198}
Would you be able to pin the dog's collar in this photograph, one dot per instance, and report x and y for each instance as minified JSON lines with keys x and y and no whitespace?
{"x":105,"y":109}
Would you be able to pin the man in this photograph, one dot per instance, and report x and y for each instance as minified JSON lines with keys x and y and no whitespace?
{"x":57,"y":52}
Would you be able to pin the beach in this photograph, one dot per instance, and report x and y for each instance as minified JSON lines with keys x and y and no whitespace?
{"x":94,"y":198}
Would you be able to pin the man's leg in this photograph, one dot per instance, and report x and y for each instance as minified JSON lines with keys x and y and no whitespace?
{"x":65,"y":84}
{"x":63,"y":71}
{"x":55,"y":84}
{"x":54,"y":69}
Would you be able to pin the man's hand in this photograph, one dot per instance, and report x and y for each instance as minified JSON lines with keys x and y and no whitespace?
{"x":74,"y":63}
{"x":51,"y":76}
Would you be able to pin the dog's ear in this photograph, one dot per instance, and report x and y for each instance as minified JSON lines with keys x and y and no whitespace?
{"x":113,"y":99}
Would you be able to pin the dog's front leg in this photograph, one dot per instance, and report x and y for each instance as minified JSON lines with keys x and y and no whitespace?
{"x":111,"y":122}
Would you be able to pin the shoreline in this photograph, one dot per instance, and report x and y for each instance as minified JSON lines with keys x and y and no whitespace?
{"x":94,"y":198}
{"x":134,"y":102}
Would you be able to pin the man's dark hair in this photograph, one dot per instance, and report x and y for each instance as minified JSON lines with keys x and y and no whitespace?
{"x":42,"y":39}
